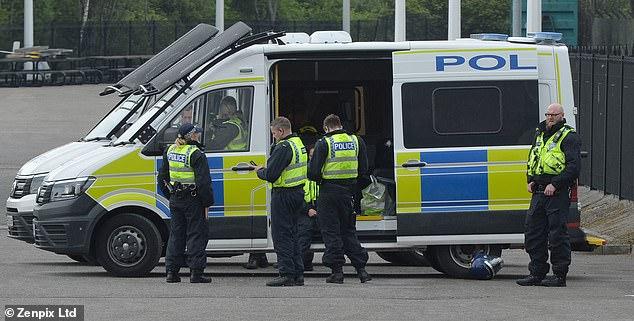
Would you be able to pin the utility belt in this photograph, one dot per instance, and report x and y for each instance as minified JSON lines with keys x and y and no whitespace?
{"x":280,"y":189}
{"x":183,"y":190}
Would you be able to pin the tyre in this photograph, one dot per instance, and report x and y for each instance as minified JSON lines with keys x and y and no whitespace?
{"x":128,"y":245}
{"x":405,"y":258}
{"x":455,"y":260}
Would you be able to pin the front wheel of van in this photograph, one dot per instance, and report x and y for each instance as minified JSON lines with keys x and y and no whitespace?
{"x":128,"y":245}
{"x":455,"y":260}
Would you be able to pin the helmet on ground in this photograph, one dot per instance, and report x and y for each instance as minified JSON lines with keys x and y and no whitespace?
{"x":484,"y":267}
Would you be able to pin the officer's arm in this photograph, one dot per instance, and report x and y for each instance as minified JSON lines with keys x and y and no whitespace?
{"x":529,"y":178}
{"x":223,"y":136}
{"x":164,"y":175}
{"x":572,"y":150}
{"x":203,"y":178}
{"x":363,"y":167}
{"x":280,"y":158}
{"x":317,"y":161}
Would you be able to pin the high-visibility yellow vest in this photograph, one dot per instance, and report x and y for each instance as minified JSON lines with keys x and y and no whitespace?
{"x":311,"y":191}
{"x":295,"y":173}
{"x":343,"y":154}
{"x":547,"y":157}
{"x":178,"y":158}
{"x":240,"y":141}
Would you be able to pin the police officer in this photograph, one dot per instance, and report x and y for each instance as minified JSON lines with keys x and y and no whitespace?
{"x":553,"y":166}
{"x":230,"y":134}
{"x":339,"y":158}
{"x":308,"y":221}
{"x":286,"y":170}
{"x":185,"y":180}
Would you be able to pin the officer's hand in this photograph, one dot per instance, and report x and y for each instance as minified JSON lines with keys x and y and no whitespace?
{"x":206,"y":213}
{"x":312,"y":212}
{"x":530,"y":187}
{"x":550,"y":190}
{"x":257,"y":168}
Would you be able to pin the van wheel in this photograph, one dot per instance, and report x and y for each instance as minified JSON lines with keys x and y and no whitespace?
{"x":405,"y":258}
{"x":433,"y":262}
{"x":455,"y":260}
{"x":129,"y":245}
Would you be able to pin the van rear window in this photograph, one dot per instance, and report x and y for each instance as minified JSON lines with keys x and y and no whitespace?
{"x":469,"y":113}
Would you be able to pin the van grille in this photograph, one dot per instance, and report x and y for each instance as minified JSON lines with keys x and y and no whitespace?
{"x":50,"y":235}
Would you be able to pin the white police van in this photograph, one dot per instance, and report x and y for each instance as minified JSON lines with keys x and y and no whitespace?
{"x":448,"y":125}
{"x":31,"y":175}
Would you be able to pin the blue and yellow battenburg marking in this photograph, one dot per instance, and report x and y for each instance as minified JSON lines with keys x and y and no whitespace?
{"x":235,"y":194}
{"x":464,"y":180}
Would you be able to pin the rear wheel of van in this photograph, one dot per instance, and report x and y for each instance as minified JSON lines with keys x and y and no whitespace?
{"x":455,"y":260}
{"x":128,"y":245}
{"x":406,"y":258}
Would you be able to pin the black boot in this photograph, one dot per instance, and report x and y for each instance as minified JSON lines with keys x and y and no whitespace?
{"x":282,"y":280}
{"x":299,"y":280}
{"x":363,"y":275}
{"x":172,"y":277}
{"x":335,"y":277}
{"x":197,"y":276}
{"x":530,"y":280}
{"x":263,"y":262}
{"x":252,"y":264}
{"x":554,"y":281}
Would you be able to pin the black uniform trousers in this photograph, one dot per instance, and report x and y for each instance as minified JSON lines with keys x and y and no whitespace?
{"x":305,"y":228}
{"x":286,"y":207}
{"x":188,"y":227}
{"x":337,"y":222}
{"x":546,"y":230}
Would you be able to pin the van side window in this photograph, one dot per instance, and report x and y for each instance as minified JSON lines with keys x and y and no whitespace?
{"x":469,"y":113}
{"x":192,"y":113}
{"x":228,"y":119}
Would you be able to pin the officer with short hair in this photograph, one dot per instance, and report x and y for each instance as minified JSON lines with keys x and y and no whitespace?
{"x":286,"y":170}
{"x":230,"y":134}
{"x":553,"y":167}
{"x":339,"y":158}
{"x":184,"y":179}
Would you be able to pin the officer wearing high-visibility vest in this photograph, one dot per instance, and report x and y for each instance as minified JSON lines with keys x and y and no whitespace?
{"x":553,"y":167}
{"x":338,"y":160}
{"x":184,"y":179}
{"x":307,"y":223}
{"x":230,"y":134}
{"x":286,"y":171}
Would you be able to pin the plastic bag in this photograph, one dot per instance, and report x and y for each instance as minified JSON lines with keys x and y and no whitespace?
{"x":374,"y":196}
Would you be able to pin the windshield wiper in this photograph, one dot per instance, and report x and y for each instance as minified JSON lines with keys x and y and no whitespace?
{"x":125,"y":142}
{"x":95,"y":138}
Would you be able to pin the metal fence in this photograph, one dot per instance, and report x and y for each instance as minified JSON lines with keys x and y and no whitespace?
{"x":144,"y":38}
{"x":604,"y":95}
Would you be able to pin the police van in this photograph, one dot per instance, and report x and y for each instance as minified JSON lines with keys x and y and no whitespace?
{"x":31,"y":175}
{"x":448,"y":125}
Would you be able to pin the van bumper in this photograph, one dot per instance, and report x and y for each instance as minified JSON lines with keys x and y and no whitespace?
{"x":63,"y":226}
{"x":20,"y":212}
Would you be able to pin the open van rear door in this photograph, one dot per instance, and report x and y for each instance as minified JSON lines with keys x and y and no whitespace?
{"x":464,"y":115}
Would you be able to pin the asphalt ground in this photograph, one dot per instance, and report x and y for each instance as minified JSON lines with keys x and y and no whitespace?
{"x":34,"y":120}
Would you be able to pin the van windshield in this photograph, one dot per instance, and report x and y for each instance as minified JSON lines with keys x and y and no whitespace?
{"x":148,"y":132}
{"x":122,"y":116}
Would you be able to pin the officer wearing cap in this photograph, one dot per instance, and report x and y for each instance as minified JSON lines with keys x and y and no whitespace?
{"x":184,"y":179}
{"x":339,"y":158}
{"x":286,"y":170}
{"x":553,"y":167}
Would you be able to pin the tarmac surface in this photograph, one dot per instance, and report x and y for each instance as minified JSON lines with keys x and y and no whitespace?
{"x":33,"y":120}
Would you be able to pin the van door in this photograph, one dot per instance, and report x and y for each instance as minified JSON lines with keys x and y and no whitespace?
{"x":228,"y":114}
{"x":463,"y":122}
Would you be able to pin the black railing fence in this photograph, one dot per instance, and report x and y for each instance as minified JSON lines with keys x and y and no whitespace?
{"x":603,"y":84}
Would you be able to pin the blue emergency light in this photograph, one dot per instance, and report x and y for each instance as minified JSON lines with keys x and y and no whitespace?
{"x":489,"y":36}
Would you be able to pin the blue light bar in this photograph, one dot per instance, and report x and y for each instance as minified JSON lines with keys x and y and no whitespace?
{"x":489,"y":36}
{"x":545,"y":36}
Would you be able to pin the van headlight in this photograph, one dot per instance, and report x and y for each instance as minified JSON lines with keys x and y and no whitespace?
{"x":36,"y":182}
{"x":69,"y":189}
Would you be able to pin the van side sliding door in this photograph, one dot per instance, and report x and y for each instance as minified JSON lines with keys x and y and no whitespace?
{"x":464,"y":120}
